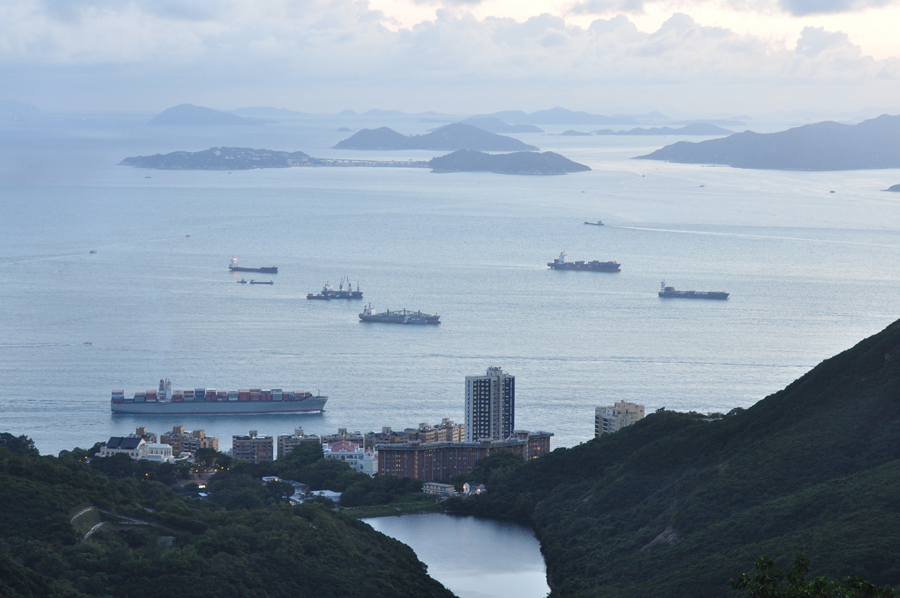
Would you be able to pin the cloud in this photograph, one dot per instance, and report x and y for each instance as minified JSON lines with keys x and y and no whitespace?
{"x":316,"y":54}
{"x":602,"y":7}
{"x":813,"y":7}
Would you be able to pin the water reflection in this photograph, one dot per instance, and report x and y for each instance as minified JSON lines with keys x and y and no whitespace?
{"x":472,"y":557}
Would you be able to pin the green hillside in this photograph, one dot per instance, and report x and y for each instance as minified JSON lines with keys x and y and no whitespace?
{"x":145,"y":541}
{"x":676,"y":505}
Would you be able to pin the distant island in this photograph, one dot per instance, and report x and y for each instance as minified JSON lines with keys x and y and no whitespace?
{"x":495,"y":125}
{"x":188,"y":115}
{"x":823,"y":146}
{"x":572,"y":133}
{"x":220,"y":158}
{"x":894,"y":188}
{"x":242,"y":158}
{"x":691,"y":129}
{"x":514,"y":163}
{"x":451,"y":137}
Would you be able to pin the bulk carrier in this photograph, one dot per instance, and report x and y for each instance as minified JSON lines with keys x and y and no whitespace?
{"x":398,"y":317}
{"x":670,"y":292}
{"x":233,"y":266}
{"x":596,"y":266}
{"x":209,"y":401}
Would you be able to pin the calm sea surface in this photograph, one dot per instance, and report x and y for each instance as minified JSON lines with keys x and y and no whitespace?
{"x":473,"y":558}
{"x":810,"y":274}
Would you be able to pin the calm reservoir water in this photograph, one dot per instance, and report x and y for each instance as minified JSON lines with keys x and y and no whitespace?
{"x":810,"y":274}
{"x":473,"y":557}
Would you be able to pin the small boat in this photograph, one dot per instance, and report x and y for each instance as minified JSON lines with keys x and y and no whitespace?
{"x":93,"y":251}
{"x":261,"y":282}
{"x":242,"y":281}
{"x":598,"y":223}
{"x":88,"y":344}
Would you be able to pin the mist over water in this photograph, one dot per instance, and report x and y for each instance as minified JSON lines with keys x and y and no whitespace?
{"x":810,"y":274}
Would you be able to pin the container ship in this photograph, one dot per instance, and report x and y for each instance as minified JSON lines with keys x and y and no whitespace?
{"x":665,"y":291}
{"x":328,"y":292}
{"x":209,"y":401}
{"x":398,"y":317}
{"x":596,"y":266}
{"x":233,"y":266}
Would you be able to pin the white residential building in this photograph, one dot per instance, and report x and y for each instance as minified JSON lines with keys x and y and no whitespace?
{"x":490,"y":406}
{"x":353,"y":455}
{"x":612,"y":419}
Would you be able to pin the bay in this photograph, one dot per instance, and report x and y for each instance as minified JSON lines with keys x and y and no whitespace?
{"x":810,"y":273}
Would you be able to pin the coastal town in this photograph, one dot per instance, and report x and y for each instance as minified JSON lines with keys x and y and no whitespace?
{"x":431,"y":454}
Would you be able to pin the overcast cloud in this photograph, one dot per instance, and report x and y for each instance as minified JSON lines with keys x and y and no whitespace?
{"x":325,"y":55}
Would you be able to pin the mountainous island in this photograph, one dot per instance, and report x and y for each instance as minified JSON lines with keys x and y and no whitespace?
{"x":823,"y":146}
{"x":691,"y":129}
{"x":242,"y":158}
{"x":894,"y":188}
{"x":514,"y":163}
{"x":188,"y":115}
{"x":495,"y":125}
{"x":678,"y":503}
{"x":450,"y":137}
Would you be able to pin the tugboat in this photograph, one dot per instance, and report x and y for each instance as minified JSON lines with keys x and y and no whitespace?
{"x":328,"y":292}
{"x":598,"y":223}
{"x":595,"y":266}
{"x":261,"y":282}
{"x":670,"y":292}
{"x":242,"y":281}
{"x":233,"y":266}
{"x":398,"y":317}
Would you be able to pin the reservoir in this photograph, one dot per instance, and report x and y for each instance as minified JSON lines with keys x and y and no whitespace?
{"x":473,"y":557}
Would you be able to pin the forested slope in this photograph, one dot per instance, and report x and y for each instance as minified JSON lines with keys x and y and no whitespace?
{"x":676,"y":505}
{"x":153,"y":543}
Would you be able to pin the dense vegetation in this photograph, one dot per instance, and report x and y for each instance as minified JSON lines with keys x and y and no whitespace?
{"x":143,"y":540}
{"x":676,"y":504}
{"x":513,"y":163}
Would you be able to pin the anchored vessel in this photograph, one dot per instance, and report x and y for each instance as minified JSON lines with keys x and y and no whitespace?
{"x":328,"y":292}
{"x":598,"y":223}
{"x":209,"y":401}
{"x":665,"y":291}
{"x":233,"y":266}
{"x":398,"y":317}
{"x":597,"y":266}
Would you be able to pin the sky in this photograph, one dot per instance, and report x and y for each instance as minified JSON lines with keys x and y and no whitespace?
{"x":690,"y":57}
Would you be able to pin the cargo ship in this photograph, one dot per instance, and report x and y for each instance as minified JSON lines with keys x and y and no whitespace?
{"x":209,"y":401}
{"x":595,"y":266}
{"x":398,"y":317}
{"x":233,"y":266}
{"x":665,"y":291}
{"x":328,"y":292}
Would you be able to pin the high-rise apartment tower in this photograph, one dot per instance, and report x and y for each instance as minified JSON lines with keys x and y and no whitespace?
{"x":490,"y":406}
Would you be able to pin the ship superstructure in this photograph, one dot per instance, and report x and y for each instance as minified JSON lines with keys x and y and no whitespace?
{"x":670,"y":292}
{"x":209,"y":401}
{"x":561,"y":263}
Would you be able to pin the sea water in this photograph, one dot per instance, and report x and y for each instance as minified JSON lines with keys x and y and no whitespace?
{"x":810,"y":273}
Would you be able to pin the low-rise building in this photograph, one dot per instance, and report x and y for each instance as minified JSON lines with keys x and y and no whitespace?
{"x":473,"y":489}
{"x":343,"y":434}
{"x":438,"y":490}
{"x":288,"y":442}
{"x":253,"y":448}
{"x":353,"y":454}
{"x":135,"y":447}
{"x":612,"y":419}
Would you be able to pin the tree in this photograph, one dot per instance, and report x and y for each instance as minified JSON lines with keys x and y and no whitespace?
{"x":22,"y":445}
{"x":768,"y":581}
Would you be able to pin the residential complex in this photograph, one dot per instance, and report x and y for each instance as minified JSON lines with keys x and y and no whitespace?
{"x":442,"y":460}
{"x":288,"y":442}
{"x":490,"y":406}
{"x":611,"y":419}
{"x":187,"y":442}
{"x":253,"y":448}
